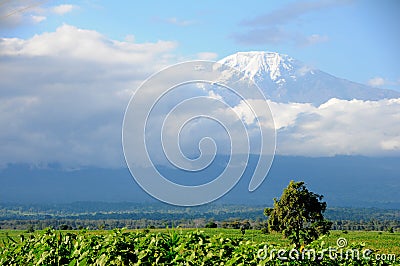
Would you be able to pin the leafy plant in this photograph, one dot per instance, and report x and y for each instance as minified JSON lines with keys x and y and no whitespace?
{"x":171,"y":247}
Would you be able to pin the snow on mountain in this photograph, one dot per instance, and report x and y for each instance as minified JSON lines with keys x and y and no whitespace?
{"x":257,"y":65}
{"x":285,"y":79}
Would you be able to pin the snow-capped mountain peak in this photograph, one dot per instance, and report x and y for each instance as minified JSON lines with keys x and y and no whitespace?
{"x":257,"y":65}
{"x":285,"y":79}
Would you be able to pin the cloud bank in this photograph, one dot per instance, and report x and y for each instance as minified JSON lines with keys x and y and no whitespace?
{"x":64,"y":93}
{"x":339,"y":127}
{"x":63,"y":9}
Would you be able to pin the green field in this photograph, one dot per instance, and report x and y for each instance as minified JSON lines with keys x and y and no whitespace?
{"x":382,"y":241}
{"x":176,"y":246}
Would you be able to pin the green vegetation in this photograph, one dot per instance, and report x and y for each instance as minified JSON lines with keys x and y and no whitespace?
{"x":296,"y":233}
{"x":181,"y":247}
{"x":298,"y":214}
{"x":106,"y":215}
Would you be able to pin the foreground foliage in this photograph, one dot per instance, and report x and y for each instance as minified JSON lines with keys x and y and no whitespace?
{"x":162,"y":248}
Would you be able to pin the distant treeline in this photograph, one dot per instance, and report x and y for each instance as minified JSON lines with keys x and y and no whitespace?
{"x":105,"y":215}
{"x":107,"y":224}
{"x":126,"y":210}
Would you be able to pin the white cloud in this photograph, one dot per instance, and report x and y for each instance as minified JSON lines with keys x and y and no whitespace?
{"x":178,"y":22}
{"x":207,"y":56}
{"x":285,"y":115}
{"x":15,"y":13}
{"x":62,"y":9}
{"x":314,"y":39}
{"x":21,"y":12}
{"x":38,"y":19}
{"x":340,"y":127}
{"x":337,"y":127}
{"x":272,"y":27}
{"x":292,"y":12}
{"x":63,"y":95}
{"x":376,"y":82}
{"x":380,"y":82}
{"x":304,"y":70}
{"x":71,"y":42}
{"x":130,"y":38}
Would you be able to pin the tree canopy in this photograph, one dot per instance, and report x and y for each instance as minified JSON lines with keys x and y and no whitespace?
{"x":298,"y":214}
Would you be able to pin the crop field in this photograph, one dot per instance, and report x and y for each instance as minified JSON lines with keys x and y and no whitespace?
{"x":191,"y":247}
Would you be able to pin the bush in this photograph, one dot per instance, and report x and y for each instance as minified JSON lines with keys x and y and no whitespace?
{"x":211,"y":225}
{"x":30,"y":229}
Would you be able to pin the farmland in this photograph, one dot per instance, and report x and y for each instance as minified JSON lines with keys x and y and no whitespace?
{"x":164,"y":235}
{"x":178,"y":246}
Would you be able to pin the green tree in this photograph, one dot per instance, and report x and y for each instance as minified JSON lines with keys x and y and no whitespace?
{"x":211,"y":224}
{"x":30,"y":229}
{"x":298,"y":215}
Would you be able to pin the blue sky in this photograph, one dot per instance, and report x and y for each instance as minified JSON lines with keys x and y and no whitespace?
{"x":356,"y":40}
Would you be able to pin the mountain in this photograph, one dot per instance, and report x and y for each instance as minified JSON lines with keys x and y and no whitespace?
{"x":354,"y":181}
{"x":285,"y":79}
{"x":344,"y":180}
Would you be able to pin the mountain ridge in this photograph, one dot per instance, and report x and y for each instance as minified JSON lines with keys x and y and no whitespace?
{"x":360,"y":182}
{"x":285,"y":79}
